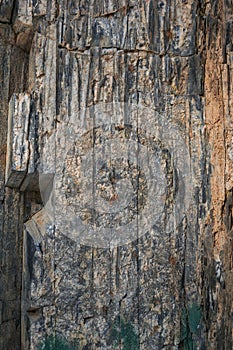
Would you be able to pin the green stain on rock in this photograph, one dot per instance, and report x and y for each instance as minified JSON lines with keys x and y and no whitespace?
{"x":194,"y":317}
{"x":124,"y":333}
{"x":190,"y":322}
{"x":56,"y":343}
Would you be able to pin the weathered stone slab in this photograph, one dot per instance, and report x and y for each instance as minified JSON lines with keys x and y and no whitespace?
{"x":162,"y":27}
{"x":18,"y":143}
{"x":93,"y":63}
{"x":22,"y":144}
{"x":42,"y":84}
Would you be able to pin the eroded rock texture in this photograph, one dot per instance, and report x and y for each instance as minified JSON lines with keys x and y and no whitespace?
{"x":116,"y":217}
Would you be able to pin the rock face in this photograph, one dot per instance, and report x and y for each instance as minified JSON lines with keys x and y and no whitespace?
{"x":116,"y":174}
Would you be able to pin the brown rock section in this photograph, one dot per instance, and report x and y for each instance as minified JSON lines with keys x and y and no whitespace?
{"x":218,"y":119}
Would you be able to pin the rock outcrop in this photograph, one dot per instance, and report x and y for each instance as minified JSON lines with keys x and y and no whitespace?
{"x":116,"y":174}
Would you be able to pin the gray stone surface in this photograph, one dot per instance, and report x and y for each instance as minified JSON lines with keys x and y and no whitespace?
{"x":120,"y":131}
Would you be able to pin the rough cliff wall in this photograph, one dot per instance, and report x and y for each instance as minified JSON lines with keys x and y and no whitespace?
{"x":116,"y":153}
